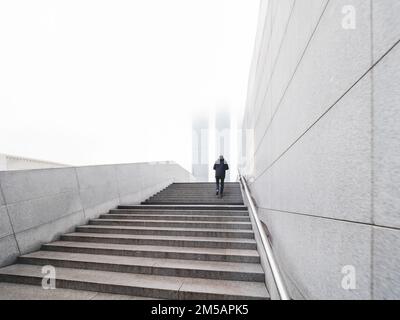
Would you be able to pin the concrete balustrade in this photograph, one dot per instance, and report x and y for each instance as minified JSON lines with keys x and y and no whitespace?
{"x":36,"y":206}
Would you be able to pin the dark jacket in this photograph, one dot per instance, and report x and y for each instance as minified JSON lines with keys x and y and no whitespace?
{"x":220,"y":168}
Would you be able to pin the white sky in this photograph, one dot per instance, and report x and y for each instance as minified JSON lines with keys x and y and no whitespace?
{"x":93,"y":82}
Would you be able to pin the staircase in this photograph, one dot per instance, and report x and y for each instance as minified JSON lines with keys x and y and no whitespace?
{"x":182,"y":243}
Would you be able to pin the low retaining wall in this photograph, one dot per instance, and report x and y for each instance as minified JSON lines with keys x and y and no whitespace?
{"x":36,"y":206}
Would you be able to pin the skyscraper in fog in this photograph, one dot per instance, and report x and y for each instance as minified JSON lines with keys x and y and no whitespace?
{"x":200,"y":147}
{"x":223,"y":135}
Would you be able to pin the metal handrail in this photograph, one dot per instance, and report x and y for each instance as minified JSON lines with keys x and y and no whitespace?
{"x":267,"y":246}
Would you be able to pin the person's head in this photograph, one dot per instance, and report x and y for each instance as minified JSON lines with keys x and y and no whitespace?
{"x":221,"y":157}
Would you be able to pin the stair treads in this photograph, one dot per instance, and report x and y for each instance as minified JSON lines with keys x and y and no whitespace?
{"x":140,"y":265}
{"x":191,"y":232}
{"x":202,"y":242}
{"x":172,"y":217}
{"x":184,"y":207}
{"x":18,"y":291}
{"x":181,"y":243}
{"x":187,"y":202}
{"x":205,"y":254}
{"x":138,"y":285}
{"x":111,"y":220}
{"x":147,"y":210}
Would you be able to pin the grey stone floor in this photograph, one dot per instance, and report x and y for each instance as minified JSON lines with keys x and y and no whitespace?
{"x":11,"y":291}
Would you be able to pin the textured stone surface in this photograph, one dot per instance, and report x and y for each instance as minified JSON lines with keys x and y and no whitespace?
{"x":324,"y":140}
{"x":29,"y":214}
{"x":31,"y":239}
{"x":386,"y":259}
{"x":189,"y":259}
{"x":39,"y":205}
{"x":32,"y":184}
{"x":144,"y":285}
{"x":274,"y":32}
{"x":98,"y":189}
{"x":12,"y":291}
{"x":328,"y":172}
{"x":138,"y":181}
{"x":386,"y":26}
{"x":313,"y":252}
{"x":5,"y":226}
{"x":387,"y":140}
{"x":8,"y":250}
{"x":299,"y":30}
{"x":2,"y":201}
{"x":345,"y":57}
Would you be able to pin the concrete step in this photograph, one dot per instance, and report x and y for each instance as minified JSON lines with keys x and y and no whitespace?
{"x":194,"y":186}
{"x":227,"y":233}
{"x":112,"y":221}
{"x":182,"y":243}
{"x":204,"y":192}
{"x":171,"y":217}
{"x":213,"y":199}
{"x":199,"y":191}
{"x":185,"y":207}
{"x":201,"y":184}
{"x":151,"y":266}
{"x":144,"y":211}
{"x":157,"y":240}
{"x":209,"y":194}
{"x":216,"y":202}
{"x":162,"y":252}
{"x":15,"y":291}
{"x":139,"y":285}
{"x":205,"y":199}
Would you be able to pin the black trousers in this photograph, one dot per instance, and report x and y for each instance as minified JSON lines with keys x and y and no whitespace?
{"x":218,"y":181}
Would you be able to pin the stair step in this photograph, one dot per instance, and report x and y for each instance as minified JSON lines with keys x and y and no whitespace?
{"x":152,"y":266}
{"x":17,"y":291}
{"x":156,"y":240}
{"x":164,"y":252}
{"x":235,"y":213}
{"x":139,"y":285}
{"x":193,"y":200}
{"x":211,"y":186}
{"x":208,"y":193}
{"x":227,"y":183}
{"x":198,"y":193}
{"x":111,"y":221}
{"x":189,"y":202}
{"x":180,"y":218}
{"x":185,"y":207}
{"x":181,"y":243}
{"x":204,"y":201}
{"x":227,"y":233}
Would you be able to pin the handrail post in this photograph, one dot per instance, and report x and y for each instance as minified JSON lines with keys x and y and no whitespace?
{"x":267,"y":246}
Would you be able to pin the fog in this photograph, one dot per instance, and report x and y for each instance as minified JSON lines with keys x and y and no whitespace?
{"x":94,"y":82}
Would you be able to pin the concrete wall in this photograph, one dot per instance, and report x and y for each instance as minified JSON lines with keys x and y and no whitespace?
{"x":36,"y":206}
{"x":9,"y":162}
{"x":322,"y":126}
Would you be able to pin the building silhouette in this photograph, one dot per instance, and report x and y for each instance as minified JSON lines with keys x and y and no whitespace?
{"x":200,"y":147}
{"x":223,"y":135}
